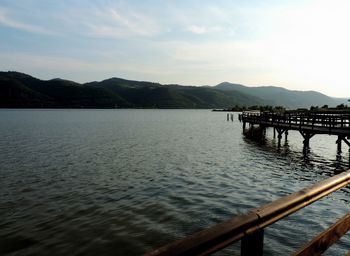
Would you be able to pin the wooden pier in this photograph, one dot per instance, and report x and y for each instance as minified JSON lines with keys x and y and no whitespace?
{"x":308,"y":123}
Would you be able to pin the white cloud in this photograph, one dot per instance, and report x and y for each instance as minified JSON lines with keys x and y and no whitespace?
{"x":197,"y":29}
{"x":115,"y":24}
{"x":108,"y":20}
{"x":6,"y":21}
{"x":45,"y":62}
{"x":208,"y":29}
{"x":81,"y":70}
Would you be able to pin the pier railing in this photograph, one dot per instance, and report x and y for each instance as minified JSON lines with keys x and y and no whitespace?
{"x":315,"y":120}
{"x":308,"y":123}
{"x":249,"y":228}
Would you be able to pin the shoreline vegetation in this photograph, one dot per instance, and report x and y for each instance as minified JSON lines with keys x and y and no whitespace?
{"x":19,"y":90}
{"x":278,"y":109}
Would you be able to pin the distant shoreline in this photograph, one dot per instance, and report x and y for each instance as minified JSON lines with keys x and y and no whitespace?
{"x":63,"y":108}
{"x":225,"y":110}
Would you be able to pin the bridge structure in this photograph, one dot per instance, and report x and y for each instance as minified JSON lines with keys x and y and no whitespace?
{"x":308,"y":123}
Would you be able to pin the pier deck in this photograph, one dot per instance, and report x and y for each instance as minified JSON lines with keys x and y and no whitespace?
{"x":307,"y":123}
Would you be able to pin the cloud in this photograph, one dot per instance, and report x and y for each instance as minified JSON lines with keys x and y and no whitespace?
{"x":201,"y":30}
{"x":35,"y":61}
{"x":116,"y":24}
{"x":79,"y":69}
{"x":102,"y":21}
{"x":6,"y":21}
{"x":197,"y":29}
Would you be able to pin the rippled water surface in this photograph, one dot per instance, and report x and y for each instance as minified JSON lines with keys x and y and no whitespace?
{"x":123,"y":182}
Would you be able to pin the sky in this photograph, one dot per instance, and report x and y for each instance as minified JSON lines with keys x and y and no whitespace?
{"x":299,"y":45}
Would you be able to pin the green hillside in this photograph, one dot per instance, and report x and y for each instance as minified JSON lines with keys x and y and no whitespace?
{"x":18,"y":90}
{"x":21,"y":91}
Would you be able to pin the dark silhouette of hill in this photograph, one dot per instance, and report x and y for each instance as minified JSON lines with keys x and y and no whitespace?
{"x":279,"y":96}
{"x":155,"y":95}
{"x":18,"y":90}
{"x":21,"y":90}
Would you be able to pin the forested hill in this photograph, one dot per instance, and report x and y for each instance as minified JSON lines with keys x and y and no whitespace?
{"x":20,"y":90}
{"x":283,"y":97}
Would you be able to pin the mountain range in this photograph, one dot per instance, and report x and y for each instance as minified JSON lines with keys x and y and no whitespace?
{"x":18,"y":90}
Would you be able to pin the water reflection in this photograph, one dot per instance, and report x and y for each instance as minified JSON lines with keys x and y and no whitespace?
{"x":255,"y":133}
{"x":308,"y":158}
{"x":306,"y":164}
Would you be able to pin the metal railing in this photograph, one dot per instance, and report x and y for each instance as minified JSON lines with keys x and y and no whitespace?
{"x":250,"y":227}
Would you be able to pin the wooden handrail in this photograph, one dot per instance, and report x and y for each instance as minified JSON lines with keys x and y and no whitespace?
{"x":251,"y":225}
{"x":324,"y":240}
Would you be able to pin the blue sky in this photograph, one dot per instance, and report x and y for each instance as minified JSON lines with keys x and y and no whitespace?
{"x":301,"y":45}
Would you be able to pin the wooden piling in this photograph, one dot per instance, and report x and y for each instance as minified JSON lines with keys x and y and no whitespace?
{"x":339,"y":144}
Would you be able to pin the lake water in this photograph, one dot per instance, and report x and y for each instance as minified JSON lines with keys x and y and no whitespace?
{"x":124,"y":182}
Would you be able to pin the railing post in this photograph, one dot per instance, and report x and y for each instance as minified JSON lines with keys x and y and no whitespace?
{"x":253,"y":244}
